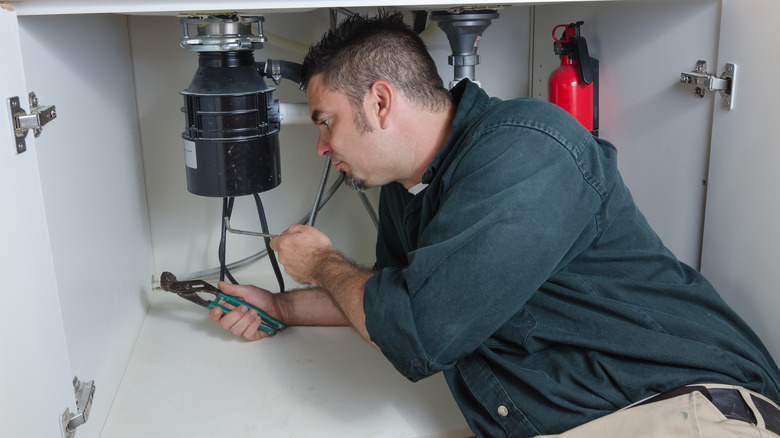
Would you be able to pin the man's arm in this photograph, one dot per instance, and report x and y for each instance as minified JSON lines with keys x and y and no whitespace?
{"x":345,"y":282}
{"x":310,"y":307}
{"x":298,"y":307}
{"x":308,"y":257}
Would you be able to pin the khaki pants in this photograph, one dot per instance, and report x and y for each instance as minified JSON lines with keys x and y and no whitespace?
{"x":688,"y":415}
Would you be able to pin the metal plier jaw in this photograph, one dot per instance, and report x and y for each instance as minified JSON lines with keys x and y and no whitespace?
{"x":189,"y":290}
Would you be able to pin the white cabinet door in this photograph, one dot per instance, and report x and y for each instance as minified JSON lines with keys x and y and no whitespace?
{"x":92,"y":183}
{"x":741,"y":234}
{"x":35,"y":378}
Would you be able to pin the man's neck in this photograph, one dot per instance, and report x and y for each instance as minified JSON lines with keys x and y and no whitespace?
{"x":434,"y":129}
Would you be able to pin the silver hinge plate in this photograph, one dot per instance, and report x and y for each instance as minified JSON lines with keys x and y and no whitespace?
{"x":84,"y":392}
{"x":23,"y":122}
{"x":704,"y":81}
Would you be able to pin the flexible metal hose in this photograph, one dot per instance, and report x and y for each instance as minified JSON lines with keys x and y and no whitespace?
{"x":325,"y":173}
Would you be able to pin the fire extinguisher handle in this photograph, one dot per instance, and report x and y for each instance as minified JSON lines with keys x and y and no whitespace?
{"x":586,"y":66}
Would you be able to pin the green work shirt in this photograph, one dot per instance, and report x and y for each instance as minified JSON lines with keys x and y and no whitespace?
{"x":526,"y":273}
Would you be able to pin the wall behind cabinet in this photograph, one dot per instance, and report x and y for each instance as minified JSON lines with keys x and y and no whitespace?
{"x":504,"y":50}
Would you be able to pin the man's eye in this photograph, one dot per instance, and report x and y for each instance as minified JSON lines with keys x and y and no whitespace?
{"x":325,"y":122}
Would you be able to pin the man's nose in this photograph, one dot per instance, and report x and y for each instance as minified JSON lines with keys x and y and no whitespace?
{"x":323,"y":146}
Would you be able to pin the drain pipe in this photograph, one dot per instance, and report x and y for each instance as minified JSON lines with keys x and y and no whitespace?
{"x":464,"y":29}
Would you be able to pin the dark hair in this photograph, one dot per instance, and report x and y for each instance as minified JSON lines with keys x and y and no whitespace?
{"x":362,"y":50}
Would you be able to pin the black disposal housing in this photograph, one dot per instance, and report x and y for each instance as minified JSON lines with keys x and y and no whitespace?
{"x":231,"y":137}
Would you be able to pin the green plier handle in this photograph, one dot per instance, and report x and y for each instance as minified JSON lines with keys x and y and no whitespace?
{"x":269,"y":325}
{"x":189,"y":290}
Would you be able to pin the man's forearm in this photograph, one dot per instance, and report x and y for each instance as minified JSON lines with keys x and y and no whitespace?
{"x":310,"y":307}
{"x":345,"y":282}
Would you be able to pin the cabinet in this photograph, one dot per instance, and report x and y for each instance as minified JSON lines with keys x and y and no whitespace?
{"x":97,"y":208}
{"x":34,"y":369}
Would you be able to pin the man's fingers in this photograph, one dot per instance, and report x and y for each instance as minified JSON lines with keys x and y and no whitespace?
{"x":251,"y":294}
{"x":229,"y":320}
{"x":253,"y":332}
{"x":215,"y":314}
{"x":239,"y":327}
{"x":232,"y":289}
{"x":241,"y":321}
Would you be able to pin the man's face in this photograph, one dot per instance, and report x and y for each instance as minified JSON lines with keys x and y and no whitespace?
{"x":345,"y":134}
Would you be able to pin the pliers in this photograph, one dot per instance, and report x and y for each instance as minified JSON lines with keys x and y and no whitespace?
{"x":189,"y":290}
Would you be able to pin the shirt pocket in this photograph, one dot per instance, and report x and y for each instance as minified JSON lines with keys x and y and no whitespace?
{"x":511,"y":336}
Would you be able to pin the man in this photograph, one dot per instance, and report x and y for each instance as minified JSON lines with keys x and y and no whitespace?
{"x":512,"y":258}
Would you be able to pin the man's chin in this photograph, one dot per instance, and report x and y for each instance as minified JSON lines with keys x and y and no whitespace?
{"x":354,"y":182}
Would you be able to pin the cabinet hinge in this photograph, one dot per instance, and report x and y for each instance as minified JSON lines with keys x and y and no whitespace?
{"x":23,"y":122}
{"x":703,"y":81}
{"x":69,"y":421}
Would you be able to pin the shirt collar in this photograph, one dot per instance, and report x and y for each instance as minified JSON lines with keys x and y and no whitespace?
{"x":471,"y":101}
{"x":418,"y":188}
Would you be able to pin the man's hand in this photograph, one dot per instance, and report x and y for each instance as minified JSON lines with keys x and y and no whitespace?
{"x":242,"y":321}
{"x":299,"y":249}
{"x":309,"y":258}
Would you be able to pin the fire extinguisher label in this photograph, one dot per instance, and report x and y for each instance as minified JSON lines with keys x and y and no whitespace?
{"x":190,"y":157}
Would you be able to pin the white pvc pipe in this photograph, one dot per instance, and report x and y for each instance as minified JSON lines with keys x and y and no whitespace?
{"x":294,"y":113}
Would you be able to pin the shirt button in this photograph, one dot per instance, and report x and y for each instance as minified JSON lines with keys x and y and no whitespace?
{"x":503,"y":411}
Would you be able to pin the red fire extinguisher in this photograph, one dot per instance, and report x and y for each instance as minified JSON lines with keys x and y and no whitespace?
{"x":574,"y":85}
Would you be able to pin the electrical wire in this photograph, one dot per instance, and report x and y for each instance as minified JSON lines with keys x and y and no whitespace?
{"x":320,"y":188}
{"x":210,"y":272}
{"x":259,"y":255}
{"x":227,"y":211}
{"x":369,"y":208}
{"x":267,"y":240}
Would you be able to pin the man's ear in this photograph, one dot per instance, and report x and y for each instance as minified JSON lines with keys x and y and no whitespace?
{"x":383,"y":100}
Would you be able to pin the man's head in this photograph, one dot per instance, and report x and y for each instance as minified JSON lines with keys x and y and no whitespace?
{"x":363,"y":50}
{"x":377,"y":99}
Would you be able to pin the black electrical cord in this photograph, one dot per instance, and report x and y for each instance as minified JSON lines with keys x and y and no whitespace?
{"x":267,"y":240}
{"x":221,"y":251}
{"x":227,"y":211}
